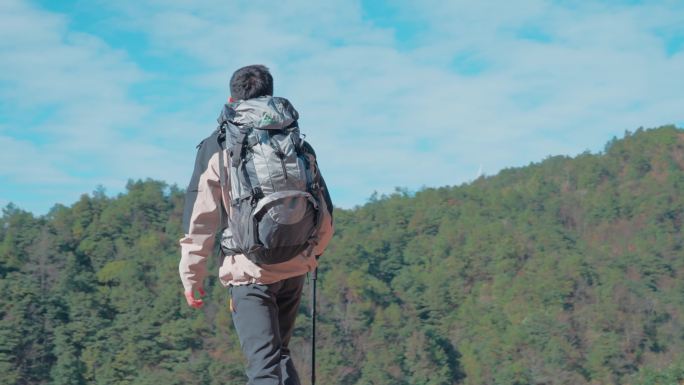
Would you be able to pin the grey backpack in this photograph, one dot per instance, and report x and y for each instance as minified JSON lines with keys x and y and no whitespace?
{"x":276,"y":187}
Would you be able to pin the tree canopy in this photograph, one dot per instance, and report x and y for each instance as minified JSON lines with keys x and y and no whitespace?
{"x":566,"y":271}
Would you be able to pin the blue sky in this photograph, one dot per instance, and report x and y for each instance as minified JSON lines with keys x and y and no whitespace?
{"x":391,"y":93}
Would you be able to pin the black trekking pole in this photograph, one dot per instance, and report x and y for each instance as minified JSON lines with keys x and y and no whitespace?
{"x":313,"y":326}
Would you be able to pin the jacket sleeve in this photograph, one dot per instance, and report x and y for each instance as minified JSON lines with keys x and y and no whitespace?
{"x":201,"y":216}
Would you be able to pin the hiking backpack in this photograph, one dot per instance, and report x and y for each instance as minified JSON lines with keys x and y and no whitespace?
{"x":276,"y":187}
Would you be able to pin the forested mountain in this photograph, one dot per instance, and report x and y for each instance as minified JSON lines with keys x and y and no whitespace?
{"x":566,"y":271}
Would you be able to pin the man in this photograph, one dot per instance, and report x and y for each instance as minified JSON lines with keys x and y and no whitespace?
{"x":264,"y":297}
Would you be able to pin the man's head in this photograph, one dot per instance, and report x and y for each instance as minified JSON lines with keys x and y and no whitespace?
{"x":251,"y":82}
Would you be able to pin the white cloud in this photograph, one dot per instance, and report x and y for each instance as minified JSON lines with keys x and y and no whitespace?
{"x":554,"y":79}
{"x":27,"y":163}
{"x":91,"y":134}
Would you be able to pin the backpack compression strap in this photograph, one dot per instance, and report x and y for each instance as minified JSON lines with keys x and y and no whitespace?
{"x":237,"y":156}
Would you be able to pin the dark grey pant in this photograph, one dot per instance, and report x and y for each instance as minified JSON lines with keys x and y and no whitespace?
{"x":264,"y":318}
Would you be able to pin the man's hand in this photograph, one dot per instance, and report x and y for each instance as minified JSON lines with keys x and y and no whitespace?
{"x":190,"y":297}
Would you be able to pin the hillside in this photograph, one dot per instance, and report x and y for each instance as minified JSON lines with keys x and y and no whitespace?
{"x":566,"y":271}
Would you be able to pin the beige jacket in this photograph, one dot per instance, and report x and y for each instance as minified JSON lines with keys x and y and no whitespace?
{"x":205,"y":201}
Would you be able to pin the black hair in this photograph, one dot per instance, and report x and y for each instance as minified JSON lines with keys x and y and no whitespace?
{"x":251,"y":82}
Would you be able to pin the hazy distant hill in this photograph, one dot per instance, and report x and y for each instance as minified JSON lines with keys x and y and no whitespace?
{"x":567,"y":271}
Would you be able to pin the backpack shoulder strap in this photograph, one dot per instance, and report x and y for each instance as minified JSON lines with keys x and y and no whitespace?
{"x":223,"y":178}
{"x":306,"y":147}
{"x":323,"y":188}
{"x":221,"y":139}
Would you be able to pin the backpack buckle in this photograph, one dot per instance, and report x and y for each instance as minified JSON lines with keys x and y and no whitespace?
{"x":257,"y":194}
